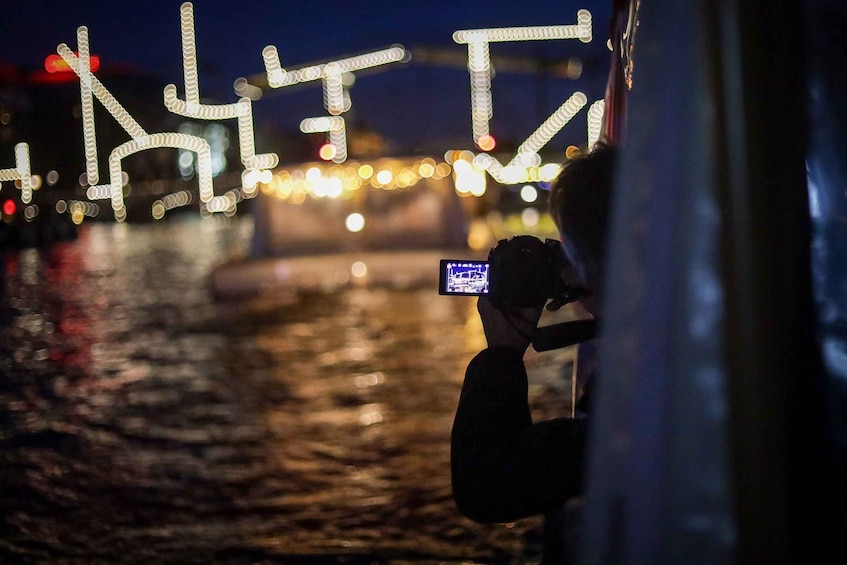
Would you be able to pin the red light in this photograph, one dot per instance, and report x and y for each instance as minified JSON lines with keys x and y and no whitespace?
{"x":55,"y":64}
{"x":486,"y":142}
{"x":327,"y":151}
{"x":9,"y":207}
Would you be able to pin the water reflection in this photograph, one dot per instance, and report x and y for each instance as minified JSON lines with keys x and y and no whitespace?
{"x":144,"y":422}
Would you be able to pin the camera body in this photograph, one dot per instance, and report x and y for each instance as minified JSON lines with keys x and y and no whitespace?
{"x":520,"y":271}
{"x":526,"y":271}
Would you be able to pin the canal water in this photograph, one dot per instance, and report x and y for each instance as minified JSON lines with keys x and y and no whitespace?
{"x":143,"y":421}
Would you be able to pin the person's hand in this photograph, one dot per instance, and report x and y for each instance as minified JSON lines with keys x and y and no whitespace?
{"x":510,"y":328}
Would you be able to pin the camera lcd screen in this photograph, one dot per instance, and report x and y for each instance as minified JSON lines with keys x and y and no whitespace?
{"x":463,"y":277}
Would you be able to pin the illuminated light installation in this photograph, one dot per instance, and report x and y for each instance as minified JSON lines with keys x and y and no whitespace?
{"x":337,"y":129}
{"x":487,"y":142}
{"x":595,"y":122}
{"x":21,"y":172}
{"x":192,"y":108}
{"x":551,"y":126}
{"x":87,"y":105}
{"x":479,"y":60}
{"x":335,"y":96}
{"x":141,"y":140}
{"x":524,"y":166}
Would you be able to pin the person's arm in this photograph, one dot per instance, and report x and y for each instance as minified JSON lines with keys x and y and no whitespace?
{"x":503,"y":466}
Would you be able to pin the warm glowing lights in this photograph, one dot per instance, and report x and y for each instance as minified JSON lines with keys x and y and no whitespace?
{"x":427,"y":167}
{"x":191,"y":107}
{"x":77,"y":209}
{"x":479,"y":63}
{"x":530,"y":217}
{"x":327,"y":152}
{"x":171,"y":201}
{"x":486,"y":142}
{"x":550,"y":127}
{"x":527,"y":168}
{"x":359,"y":269}
{"x":355,"y":222}
{"x":549,"y":171}
{"x":468,"y":178}
{"x":279,"y":77}
{"x":321,"y":124}
{"x":336,"y":149}
{"x":365,"y":171}
{"x":189,"y":54}
{"x":326,"y":180}
{"x":333,"y":76}
{"x":273,"y":68}
{"x":330,"y":180}
{"x":581,"y":31}
{"x":384,"y":177}
{"x":529,"y":193}
{"x":86,"y":103}
{"x":90,"y":85}
{"x":21,"y":172}
{"x":595,"y":122}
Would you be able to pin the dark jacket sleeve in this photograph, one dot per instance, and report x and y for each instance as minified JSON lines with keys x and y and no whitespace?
{"x":503,"y":466}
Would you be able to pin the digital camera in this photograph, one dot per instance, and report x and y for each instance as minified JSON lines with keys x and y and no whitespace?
{"x":520,"y":271}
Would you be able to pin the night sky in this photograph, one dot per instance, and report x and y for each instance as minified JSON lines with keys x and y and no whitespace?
{"x":409,"y":104}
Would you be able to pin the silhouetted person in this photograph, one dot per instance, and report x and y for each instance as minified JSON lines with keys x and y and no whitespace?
{"x":504,"y":465}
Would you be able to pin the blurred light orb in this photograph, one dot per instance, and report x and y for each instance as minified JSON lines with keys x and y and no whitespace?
{"x":327,"y":151}
{"x":486,"y":142}
{"x":366,"y":171}
{"x":158,"y":210}
{"x":52,"y":178}
{"x":530,"y":217}
{"x":359,"y":269}
{"x":313,"y":174}
{"x":549,"y":171}
{"x":384,"y":176}
{"x":572,"y":152}
{"x":186,"y":159}
{"x":355,"y":222}
{"x":529,"y":193}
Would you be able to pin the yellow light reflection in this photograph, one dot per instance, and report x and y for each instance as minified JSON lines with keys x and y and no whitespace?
{"x":384,"y":177}
{"x":359,"y":269}
{"x":355,"y":222}
{"x":366,"y":171}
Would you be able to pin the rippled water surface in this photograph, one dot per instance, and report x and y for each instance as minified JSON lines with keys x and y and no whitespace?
{"x":143,"y":421}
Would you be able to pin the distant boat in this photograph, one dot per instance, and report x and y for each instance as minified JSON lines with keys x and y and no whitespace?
{"x":322,"y":227}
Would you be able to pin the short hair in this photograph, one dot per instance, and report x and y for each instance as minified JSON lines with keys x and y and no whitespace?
{"x":580,"y":200}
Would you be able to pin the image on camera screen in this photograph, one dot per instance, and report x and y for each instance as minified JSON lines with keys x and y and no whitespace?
{"x":463,"y":277}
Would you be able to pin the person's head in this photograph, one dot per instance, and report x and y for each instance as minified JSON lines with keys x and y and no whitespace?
{"x":580,"y":202}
